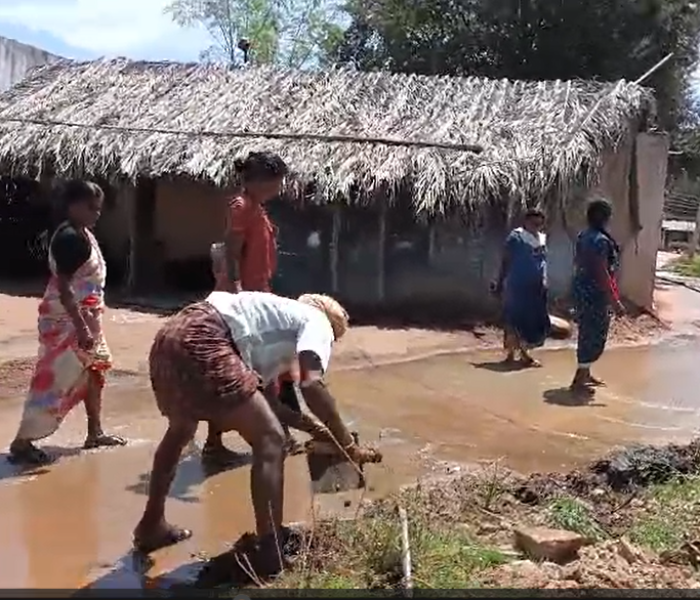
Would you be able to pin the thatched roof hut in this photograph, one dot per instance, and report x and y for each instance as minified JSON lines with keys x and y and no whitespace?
{"x":115,"y":118}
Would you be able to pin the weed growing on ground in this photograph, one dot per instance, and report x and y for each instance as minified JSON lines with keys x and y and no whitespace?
{"x":671,"y":515}
{"x":571,"y":514}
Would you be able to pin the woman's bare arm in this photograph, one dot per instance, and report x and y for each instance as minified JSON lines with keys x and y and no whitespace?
{"x":233,"y":249}
{"x":67,"y":298}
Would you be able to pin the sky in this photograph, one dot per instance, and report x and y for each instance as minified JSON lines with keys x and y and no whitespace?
{"x":89,"y":29}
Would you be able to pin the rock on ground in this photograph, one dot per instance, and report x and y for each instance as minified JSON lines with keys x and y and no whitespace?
{"x":544,"y":544}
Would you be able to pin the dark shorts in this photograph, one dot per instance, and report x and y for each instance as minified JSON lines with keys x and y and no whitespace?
{"x":196,"y":370}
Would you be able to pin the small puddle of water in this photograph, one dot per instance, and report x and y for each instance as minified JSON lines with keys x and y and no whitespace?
{"x":72,"y":524}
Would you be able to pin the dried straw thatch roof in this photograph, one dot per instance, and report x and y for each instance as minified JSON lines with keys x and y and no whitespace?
{"x":530,"y":131}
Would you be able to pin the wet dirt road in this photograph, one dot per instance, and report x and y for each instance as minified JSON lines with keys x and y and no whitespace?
{"x":69,"y":525}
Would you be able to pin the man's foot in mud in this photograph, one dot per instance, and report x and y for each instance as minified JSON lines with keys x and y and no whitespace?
{"x":23,"y":452}
{"x":103,"y":440}
{"x":218,"y":455}
{"x":163,"y":535}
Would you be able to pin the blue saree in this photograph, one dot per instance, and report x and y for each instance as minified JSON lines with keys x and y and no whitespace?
{"x":525,"y":288}
{"x":590,"y":299}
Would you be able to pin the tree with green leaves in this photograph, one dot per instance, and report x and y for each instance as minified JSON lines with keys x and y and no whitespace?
{"x":531,"y":39}
{"x":292,"y":33}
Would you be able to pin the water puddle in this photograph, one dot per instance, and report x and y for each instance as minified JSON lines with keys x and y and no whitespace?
{"x":69,"y":525}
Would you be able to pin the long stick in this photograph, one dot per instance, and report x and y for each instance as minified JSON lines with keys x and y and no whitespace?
{"x":656,"y":67}
{"x":316,"y":137}
{"x":406,"y":554}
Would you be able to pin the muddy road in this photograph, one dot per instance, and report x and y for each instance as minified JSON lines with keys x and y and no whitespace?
{"x":69,"y":524}
{"x":66,"y":525}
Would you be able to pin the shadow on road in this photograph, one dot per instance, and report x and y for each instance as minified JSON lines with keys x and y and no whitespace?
{"x":191,"y":473}
{"x":565,"y":396}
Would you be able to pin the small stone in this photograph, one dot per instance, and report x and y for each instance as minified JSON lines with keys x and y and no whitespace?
{"x":629,"y":552}
{"x":544,"y":544}
{"x":598,"y":492}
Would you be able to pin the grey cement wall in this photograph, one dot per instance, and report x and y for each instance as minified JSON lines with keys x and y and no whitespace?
{"x":16,"y":59}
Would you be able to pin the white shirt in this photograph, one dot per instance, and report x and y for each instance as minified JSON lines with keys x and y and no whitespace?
{"x":270,"y":331}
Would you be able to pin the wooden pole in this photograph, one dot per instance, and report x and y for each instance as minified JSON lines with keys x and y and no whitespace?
{"x":335,"y":238}
{"x":381,"y":253}
{"x":656,"y":67}
{"x":406,"y":565}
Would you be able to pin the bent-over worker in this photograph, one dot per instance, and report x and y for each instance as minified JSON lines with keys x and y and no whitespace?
{"x":210,"y":362}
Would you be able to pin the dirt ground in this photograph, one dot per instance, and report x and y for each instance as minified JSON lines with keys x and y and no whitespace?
{"x":130,"y":332}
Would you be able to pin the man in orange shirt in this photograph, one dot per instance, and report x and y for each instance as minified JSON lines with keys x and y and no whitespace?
{"x":247,"y":261}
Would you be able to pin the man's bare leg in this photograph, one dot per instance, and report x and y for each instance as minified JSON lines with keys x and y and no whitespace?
{"x":153,"y":531}
{"x":257,"y":423}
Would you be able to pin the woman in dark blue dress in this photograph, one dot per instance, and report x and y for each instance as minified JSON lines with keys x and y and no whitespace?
{"x":594,"y":290}
{"x":522,"y":283}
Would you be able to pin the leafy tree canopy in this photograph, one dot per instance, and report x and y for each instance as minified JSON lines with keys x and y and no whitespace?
{"x":531,"y":39}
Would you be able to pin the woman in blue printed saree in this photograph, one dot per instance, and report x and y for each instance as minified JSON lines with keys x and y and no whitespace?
{"x":522,"y":284}
{"x":594,"y":290}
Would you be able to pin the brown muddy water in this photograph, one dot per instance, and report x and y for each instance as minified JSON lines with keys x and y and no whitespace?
{"x":70,"y":524}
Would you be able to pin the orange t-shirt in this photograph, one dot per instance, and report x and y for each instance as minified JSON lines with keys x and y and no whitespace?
{"x":259,"y":256}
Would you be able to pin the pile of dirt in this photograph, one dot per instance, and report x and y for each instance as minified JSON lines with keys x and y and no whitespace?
{"x":644,"y":465}
{"x":623,"y":470}
{"x":599,"y":566}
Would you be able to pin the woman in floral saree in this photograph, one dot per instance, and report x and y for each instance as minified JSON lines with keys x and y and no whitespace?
{"x":73,"y":355}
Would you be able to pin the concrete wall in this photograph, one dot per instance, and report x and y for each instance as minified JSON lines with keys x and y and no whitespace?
{"x":17,"y":59}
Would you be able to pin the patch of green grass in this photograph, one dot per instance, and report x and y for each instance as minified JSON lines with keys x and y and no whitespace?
{"x":367,"y":553}
{"x":689,"y":267}
{"x":570,"y":514}
{"x":656,"y":534}
{"x":447,"y":558}
{"x":671,"y":516}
